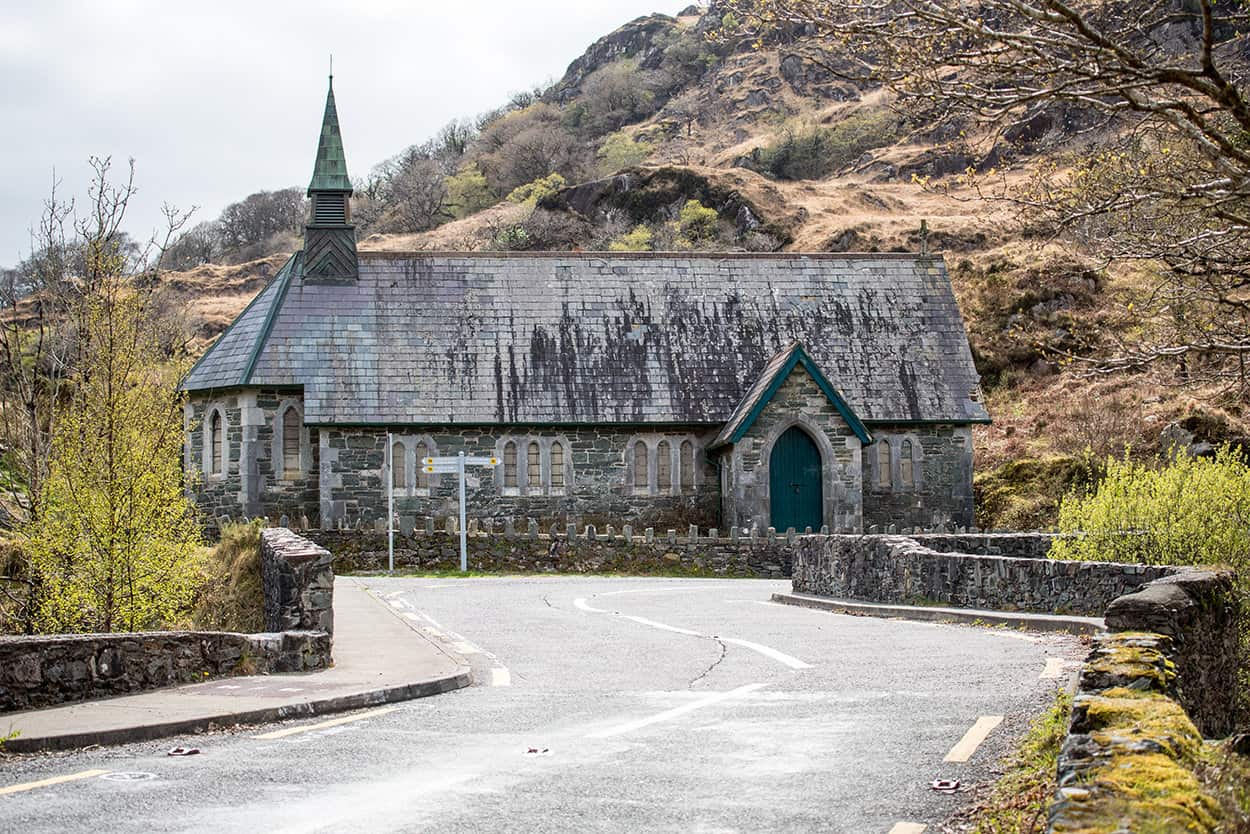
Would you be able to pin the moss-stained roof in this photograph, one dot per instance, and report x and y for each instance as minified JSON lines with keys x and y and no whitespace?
{"x":592,"y":338}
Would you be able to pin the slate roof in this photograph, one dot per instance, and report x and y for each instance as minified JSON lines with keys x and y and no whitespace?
{"x":775,"y":372}
{"x":582,"y":338}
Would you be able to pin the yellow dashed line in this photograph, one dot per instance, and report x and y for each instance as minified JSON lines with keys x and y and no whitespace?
{"x":55,"y":780}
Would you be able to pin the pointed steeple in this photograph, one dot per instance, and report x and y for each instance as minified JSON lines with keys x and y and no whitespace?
{"x":329,"y":237}
{"x":330,"y":170}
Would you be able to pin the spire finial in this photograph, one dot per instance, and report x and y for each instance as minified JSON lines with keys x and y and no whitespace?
{"x":331,"y":70}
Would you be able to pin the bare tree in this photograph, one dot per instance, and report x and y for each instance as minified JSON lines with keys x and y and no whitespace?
{"x":1157,"y":89}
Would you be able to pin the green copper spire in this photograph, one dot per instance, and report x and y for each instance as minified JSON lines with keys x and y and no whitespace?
{"x":330,"y":171}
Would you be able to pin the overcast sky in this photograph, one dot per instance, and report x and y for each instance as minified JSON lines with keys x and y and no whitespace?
{"x":215,"y":100}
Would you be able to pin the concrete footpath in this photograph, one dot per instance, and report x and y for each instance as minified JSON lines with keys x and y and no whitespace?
{"x":378,"y":659}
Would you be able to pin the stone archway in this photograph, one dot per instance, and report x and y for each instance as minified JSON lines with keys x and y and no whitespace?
{"x":795,"y":482}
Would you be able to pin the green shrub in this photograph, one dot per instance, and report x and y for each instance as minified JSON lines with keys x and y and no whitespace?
{"x":532,"y":192}
{"x":620,"y":151}
{"x":1190,"y":511}
{"x":232,"y":597}
{"x":697,"y":222}
{"x":636,"y":240}
{"x":468,"y":192}
{"x":812,"y":152}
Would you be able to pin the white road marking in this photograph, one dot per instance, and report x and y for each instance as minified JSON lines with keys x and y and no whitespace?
{"x":465,"y":647}
{"x":55,"y":780}
{"x":972,"y":739}
{"x":780,"y":657}
{"x":325,"y":725}
{"x":229,"y":686}
{"x":1054,"y":668}
{"x":908,"y":828}
{"x":408,"y":615}
{"x":676,"y":712}
{"x":445,"y":585}
{"x":290,"y":689}
{"x":581,"y":604}
{"x":661,"y":626}
{"x":499,"y":676}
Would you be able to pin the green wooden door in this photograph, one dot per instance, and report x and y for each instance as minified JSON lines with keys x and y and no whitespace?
{"x":794,"y":488}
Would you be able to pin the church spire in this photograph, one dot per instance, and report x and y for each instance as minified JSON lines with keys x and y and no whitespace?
{"x":329,"y":237}
{"x":330,"y":170}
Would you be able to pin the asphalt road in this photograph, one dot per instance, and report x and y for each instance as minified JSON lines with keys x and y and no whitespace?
{"x":652,"y":705}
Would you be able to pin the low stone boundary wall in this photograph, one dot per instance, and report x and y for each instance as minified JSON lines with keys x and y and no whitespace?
{"x":900,"y":569}
{"x":42,"y":671}
{"x":298,"y":580}
{"x":566,"y":549}
{"x":1127,"y":763}
{"x":1199,"y":611}
{"x":298,"y":583}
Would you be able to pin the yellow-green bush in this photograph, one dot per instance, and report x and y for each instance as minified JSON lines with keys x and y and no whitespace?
{"x":532,"y":192}
{"x":810,"y":151}
{"x":622,"y":151}
{"x":637,"y":239}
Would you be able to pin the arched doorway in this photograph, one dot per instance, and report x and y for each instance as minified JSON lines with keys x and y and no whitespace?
{"x":795,"y":494}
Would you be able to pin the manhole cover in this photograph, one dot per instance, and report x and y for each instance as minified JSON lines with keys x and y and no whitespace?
{"x":129,"y":776}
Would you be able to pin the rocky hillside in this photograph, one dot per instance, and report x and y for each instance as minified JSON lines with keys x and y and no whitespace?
{"x":658,"y":137}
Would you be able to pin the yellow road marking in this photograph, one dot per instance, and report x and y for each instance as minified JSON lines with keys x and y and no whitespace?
{"x":1054,"y":668}
{"x":908,"y":828}
{"x":972,"y":739}
{"x":55,"y":780}
{"x":334,"y":722}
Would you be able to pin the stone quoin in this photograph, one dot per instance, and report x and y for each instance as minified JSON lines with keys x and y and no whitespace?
{"x":725,"y":390}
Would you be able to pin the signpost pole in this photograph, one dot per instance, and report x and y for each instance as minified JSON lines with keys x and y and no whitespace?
{"x":390,"y":504}
{"x":464,"y":540}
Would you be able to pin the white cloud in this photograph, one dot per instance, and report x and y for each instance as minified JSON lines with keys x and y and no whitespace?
{"x":216,"y":100}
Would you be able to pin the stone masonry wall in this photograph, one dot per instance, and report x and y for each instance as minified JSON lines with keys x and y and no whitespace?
{"x":45,"y":670}
{"x":559,"y":549}
{"x":1128,"y":732}
{"x":941,"y":492}
{"x":799,"y":401}
{"x":599,"y":477}
{"x":898,"y":569}
{"x":298,"y":581}
{"x":1199,"y":611}
{"x":255,"y":482}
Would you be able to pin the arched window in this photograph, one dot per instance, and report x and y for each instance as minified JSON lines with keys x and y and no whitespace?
{"x":883,"y":464}
{"x":557,"y":465}
{"x":216,"y":445}
{"x":509,"y":465}
{"x":290,"y":442}
{"x":640,"y":467}
{"x":664,"y":466}
{"x":533,"y":466}
{"x":687,"y":466}
{"x":422,"y":481}
{"x":906,"y":477}
{"x":399,"y":472}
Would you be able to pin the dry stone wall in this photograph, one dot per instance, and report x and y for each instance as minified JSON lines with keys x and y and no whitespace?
{"x":899,"y":569}
{"x":525,"y":549}
{"x":298,"y":580}
{"x":1199,"y":611}
{"x":42,"y":671}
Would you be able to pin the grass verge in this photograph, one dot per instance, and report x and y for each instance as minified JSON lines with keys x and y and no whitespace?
{"x":1017,"y":802}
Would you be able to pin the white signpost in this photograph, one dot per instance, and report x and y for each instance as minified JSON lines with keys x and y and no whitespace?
{"x":439,"y":466}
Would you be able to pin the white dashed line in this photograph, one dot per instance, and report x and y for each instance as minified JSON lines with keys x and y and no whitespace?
{"x":668,"y":715}
{"x":972,"y":739}
{"x":581,"y":604}
{"x":499,"y":676}
{"x":780,"y":657}
{"x":661,"y":626}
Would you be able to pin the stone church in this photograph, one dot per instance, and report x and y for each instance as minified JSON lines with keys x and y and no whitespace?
{"x":661,"y":389}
